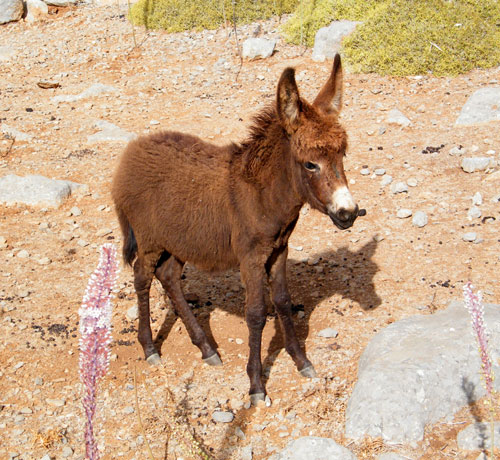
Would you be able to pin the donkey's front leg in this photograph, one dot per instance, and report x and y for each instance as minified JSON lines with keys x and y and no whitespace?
{"x":253,"y":276}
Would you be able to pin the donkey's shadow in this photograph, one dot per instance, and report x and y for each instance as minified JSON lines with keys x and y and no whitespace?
{"x":344,"y":272}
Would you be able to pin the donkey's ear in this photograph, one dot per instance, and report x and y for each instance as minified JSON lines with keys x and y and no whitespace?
{"x":289,"y":104}
{"x":329,"y":98}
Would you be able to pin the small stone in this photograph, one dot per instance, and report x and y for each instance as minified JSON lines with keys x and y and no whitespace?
{"x":404,"y":213}
{"x":412,"y":182}
{"x":23,"y":254}
{"x":471,"y":165}
{"x":67,"y":452}
{"x":328,"y":333}
{"x":128,"y":410}
{"x":44,"y":261}
{"x":38,"y":381}
{"x":386,"y":180}
{"x":477,"y":199}
{"x":82,"y":243}
{"x":474,"y":213}
{"x":104,"y":232}
{"x":365,"y":171}
{"x":239,"y":341}
{"x":399,"y":187}
{"x":379,"y":171}
{"x":396,"y":117}
{"x":75,"y":211}
{"x":222,"y":417}
{"x":18,"y":365}
{"x":46,"y":457}
{"x":154,"y":122}
{"x":420,"y":219}
{"x":132,"y":313}
{"x":55,"y":402}
{"x":457,"y":150}
{"x":470,"y":236}
{"x":3,"y":242}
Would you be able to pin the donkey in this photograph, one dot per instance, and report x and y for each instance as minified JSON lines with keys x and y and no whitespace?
{"x":180,"y":199}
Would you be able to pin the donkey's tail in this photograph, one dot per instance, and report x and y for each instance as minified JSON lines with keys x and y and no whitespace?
{"x":129,"y":250}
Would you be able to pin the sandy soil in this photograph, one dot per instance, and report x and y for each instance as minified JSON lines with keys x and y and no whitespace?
{"x":356,"y":281}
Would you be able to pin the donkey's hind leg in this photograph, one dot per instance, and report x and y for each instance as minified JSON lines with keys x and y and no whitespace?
{"x":143,"y":275}
{"x":169,"y":273}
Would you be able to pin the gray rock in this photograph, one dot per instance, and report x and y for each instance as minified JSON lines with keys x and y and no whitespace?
{"x":477,"y":199}
{"x":412,"y":182}
{"x":61,"y":2}
{"x":254,"y":48}
{"x":14,"y":133}
{"x":474,"y":213}
{"x":399,"y":187}
{"x":6,"y":52}
{"x":35,"y":190}
{"x":314,"y":448}
{"x":11,"y":10}
{"x":386,"y":180}
{"x":246,"y":452}
{"x":328,"y":333}
{"x":396,"y":117}
{"x":457,"y":150}
{"x":469,"y":236}
{"x":365,"y":171}
{"x":222,"y":417}
{"x":132,"y":313}
{"x":471,"y":164}
{"x":417,"y":371}
{"x":391,"y":456}
{"x":420,"y":219}
{"x":110,"y":132}
{"x":67,"y":452}
{"x":96,"y":89}
{"x":404,"y":213}
{"x":477,"y":436}
{"x":483,"y":106}
{"x":328,"y":39}
{"x":379,"y":171}
{"x":36,"y":10}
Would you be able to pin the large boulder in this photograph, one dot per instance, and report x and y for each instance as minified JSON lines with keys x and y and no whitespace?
{"x":11,"y":10}
{"x":36,"y":10}
{"x":314,"y":448}
{"x":328,"y":39}
{"x":254,"y":48}
{"x":417,"y":371}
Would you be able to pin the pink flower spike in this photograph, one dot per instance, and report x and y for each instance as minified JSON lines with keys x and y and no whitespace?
{"x":473,"y":303}
{"x":95,"y":337}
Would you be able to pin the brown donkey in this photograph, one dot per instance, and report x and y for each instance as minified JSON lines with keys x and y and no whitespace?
{"x":180,"y":199}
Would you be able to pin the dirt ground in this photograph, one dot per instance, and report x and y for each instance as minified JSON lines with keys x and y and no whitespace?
{"x":356,"y":281}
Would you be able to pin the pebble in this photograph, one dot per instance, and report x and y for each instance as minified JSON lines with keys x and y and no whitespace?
{"x":470,"y":236}
{"x":386,"y":180}
{"x":44,"y":261}
{"x":328,"y":333}
{"x":104,"y":232}
{"x":404,"y":213}
{"x":18,"y":365}
{"x":55,"y":402}
{"x":239,"y":341}
{"x":380,"y":172}
{"x":399,"y":187}
{"x":23,"y":254}
{"x":420,"y":219}
{"x":46,"y":457}
{"x":474,"y":213}
{"x":3,"y":242}
{"x":128,"y":410}
{"x":82,"y":243}
{"x":75,"y":211}
{"x":132,"y":313}
{"x":67,"y":452}
{"x":457,"y":150}
{"x":365,"y":171}
{"x":477,"y":199}
{"x":222,"y":417}
{"x":471,"y":165}
{"x":412,"y":182}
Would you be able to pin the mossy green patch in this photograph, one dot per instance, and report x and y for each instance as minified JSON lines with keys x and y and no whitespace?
{"x":177,"y":15}
{"x":408,"y":37}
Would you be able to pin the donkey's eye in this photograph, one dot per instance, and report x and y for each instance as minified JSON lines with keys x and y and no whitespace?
{"x":311,"y":166}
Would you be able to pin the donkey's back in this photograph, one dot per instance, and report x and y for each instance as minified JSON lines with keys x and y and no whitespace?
{"x":172,"y":190}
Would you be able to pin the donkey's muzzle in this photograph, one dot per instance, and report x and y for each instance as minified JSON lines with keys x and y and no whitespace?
{"x":344,"y":218}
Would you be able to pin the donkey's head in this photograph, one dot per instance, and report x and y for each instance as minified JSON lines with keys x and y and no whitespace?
{"x":318,"y":144}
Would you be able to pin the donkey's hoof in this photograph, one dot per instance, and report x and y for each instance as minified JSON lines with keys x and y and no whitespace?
{"x":257,"y":398}
{"x":154,"y":359}
{"x":213,"y":360}
{"x":308,"y":372}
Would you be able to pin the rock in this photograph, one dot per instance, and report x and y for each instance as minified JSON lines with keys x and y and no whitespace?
{"x":404,"y":213}
{"x":55,"y":402}
{"x":35,"y":190}
{"x":61,"y":2}
{"x":36,"y":10}
{"x":482,"y":107}
{"x":14,"y":133}
{"x":391,"y":456}
{"x":412,"y":182}
{"x":386,"y":180}
{"x":46,"y":457}
{"x":328,"y":333}
{"x":399,"y":187}
{"x":314,"y":448}
{"x":365,"y":171}
{"x":328,"y":39}
{"x":254,"y":48}
{"x":474,"y":213}
{"x":458,"y":150}
{"x":379,"y":171}
{"x":132,"y":313}
{"x":96,"y":89}
{"x":75,"y":211}
{"x":6,"y":52}
{"x":3,"y":242}
{"x":418,"y":370}
{"x":470,"y":236}
{"x":420,"y":219}
{"x":477,"y":199}
{"x":222,"y":417}
{"x":110,"y":132}
{"x":44,"y":261}
{"x":103,"y":232}
{"x":11,"y":10}
{"x":477,"y":436}
{"x":67,"y":452}
{"x":396,"y":117}
{"x":471,"y":164}
{"x":246,"y":452}
{"x":23,"y":254}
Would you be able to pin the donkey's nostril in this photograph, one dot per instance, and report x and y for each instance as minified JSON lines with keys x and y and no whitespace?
{"x":344,"y":215}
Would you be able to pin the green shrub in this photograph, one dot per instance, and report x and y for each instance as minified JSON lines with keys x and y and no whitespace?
{"x":177,"y":15}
